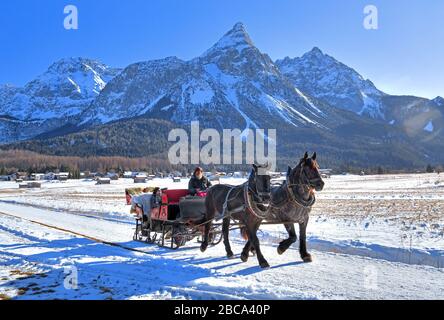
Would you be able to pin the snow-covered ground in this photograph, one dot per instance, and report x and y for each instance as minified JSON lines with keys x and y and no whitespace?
{"x":374,"y":237}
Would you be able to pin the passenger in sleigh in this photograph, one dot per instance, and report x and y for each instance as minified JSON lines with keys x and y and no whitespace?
{"x":198,"y":184}
{"x":155,"y":198}
{"x":143,"y":204}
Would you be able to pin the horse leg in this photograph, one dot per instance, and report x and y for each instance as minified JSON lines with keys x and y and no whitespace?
{"x":252,"y":235}
{"x":285,"y":244}
{"x":246,"y":251}
{"x":209,"y":216}
{"x":226,"y":232}
{"x":244,"y":234}
{"x":206,"y":237}
{"x":306,"y":257}
{"x":210,"y":213}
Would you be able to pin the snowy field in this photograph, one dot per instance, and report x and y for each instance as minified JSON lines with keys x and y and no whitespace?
{"x":372,"y":237}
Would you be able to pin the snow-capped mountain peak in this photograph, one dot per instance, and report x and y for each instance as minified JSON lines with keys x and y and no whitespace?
{"x":73,"y":64}
{"x":235,"y":53}
{"x":64,"y":90}
{"x":237,"y":38}
{"x":231,"y":84}
{"x":315,"y":53}
{"x":86,"y":77}
{"x":57,"y":97}
{"x":325,"y":78}
{"x":439,"y":101}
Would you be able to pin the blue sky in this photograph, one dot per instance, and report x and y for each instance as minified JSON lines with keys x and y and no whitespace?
{"x":404,"y":56}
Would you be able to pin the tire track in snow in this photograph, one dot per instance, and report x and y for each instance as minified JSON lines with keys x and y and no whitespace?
{"x":113,"y":244}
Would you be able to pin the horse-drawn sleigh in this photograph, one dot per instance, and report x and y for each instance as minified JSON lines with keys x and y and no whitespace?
{"x":181,"y":218}
{"x":176,"y":220}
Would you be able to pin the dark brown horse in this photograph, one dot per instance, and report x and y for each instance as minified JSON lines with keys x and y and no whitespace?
{"x":243,"y":203}
{"x":293,"y":201}
{"x":290,"y":203}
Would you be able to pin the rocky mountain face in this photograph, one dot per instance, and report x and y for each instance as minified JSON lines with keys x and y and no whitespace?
{"x":56,"y":98}
{"x":232,"y":85}
{"x":419,"y":118}
{"x":439,"y":101}
{"x":336,"y":84}
{"x":325,"y":78}
{"x":315,"y":102}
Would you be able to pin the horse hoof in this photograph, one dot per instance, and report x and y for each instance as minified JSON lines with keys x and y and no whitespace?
{"x":244,"y":258}
{"x":307,"y":259}
{"x":230,"y":255}
{"x":264,"y":265}
{"x":203,"y":248}
{"x":280,"y":250}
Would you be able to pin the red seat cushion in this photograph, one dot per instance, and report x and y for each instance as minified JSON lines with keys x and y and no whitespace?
{"x":175,"y":195}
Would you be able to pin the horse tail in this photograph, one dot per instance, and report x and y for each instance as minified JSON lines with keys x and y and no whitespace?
{"x":244,"y":233}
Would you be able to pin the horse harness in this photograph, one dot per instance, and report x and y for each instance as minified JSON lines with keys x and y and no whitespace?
{"x":248,"y":204}
{"x":298,"y":200}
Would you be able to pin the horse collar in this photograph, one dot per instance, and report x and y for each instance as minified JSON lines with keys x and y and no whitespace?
{"x":249,"y":206}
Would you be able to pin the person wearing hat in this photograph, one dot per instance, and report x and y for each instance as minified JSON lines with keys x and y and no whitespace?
{"x":198,"y":182}
{"x":155,"y":198}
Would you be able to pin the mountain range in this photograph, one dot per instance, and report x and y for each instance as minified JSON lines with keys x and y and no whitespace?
{"x":82,"y":107}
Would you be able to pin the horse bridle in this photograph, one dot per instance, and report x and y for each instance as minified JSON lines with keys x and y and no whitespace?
{"x":259,"y":195}
{"x":306,"y":183}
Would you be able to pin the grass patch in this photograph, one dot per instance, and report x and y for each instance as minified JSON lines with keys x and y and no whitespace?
{"x":22,"y":291}
{"x":22,"y":274}
{"x":4,"y":297}
{"x":105,"y":290}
